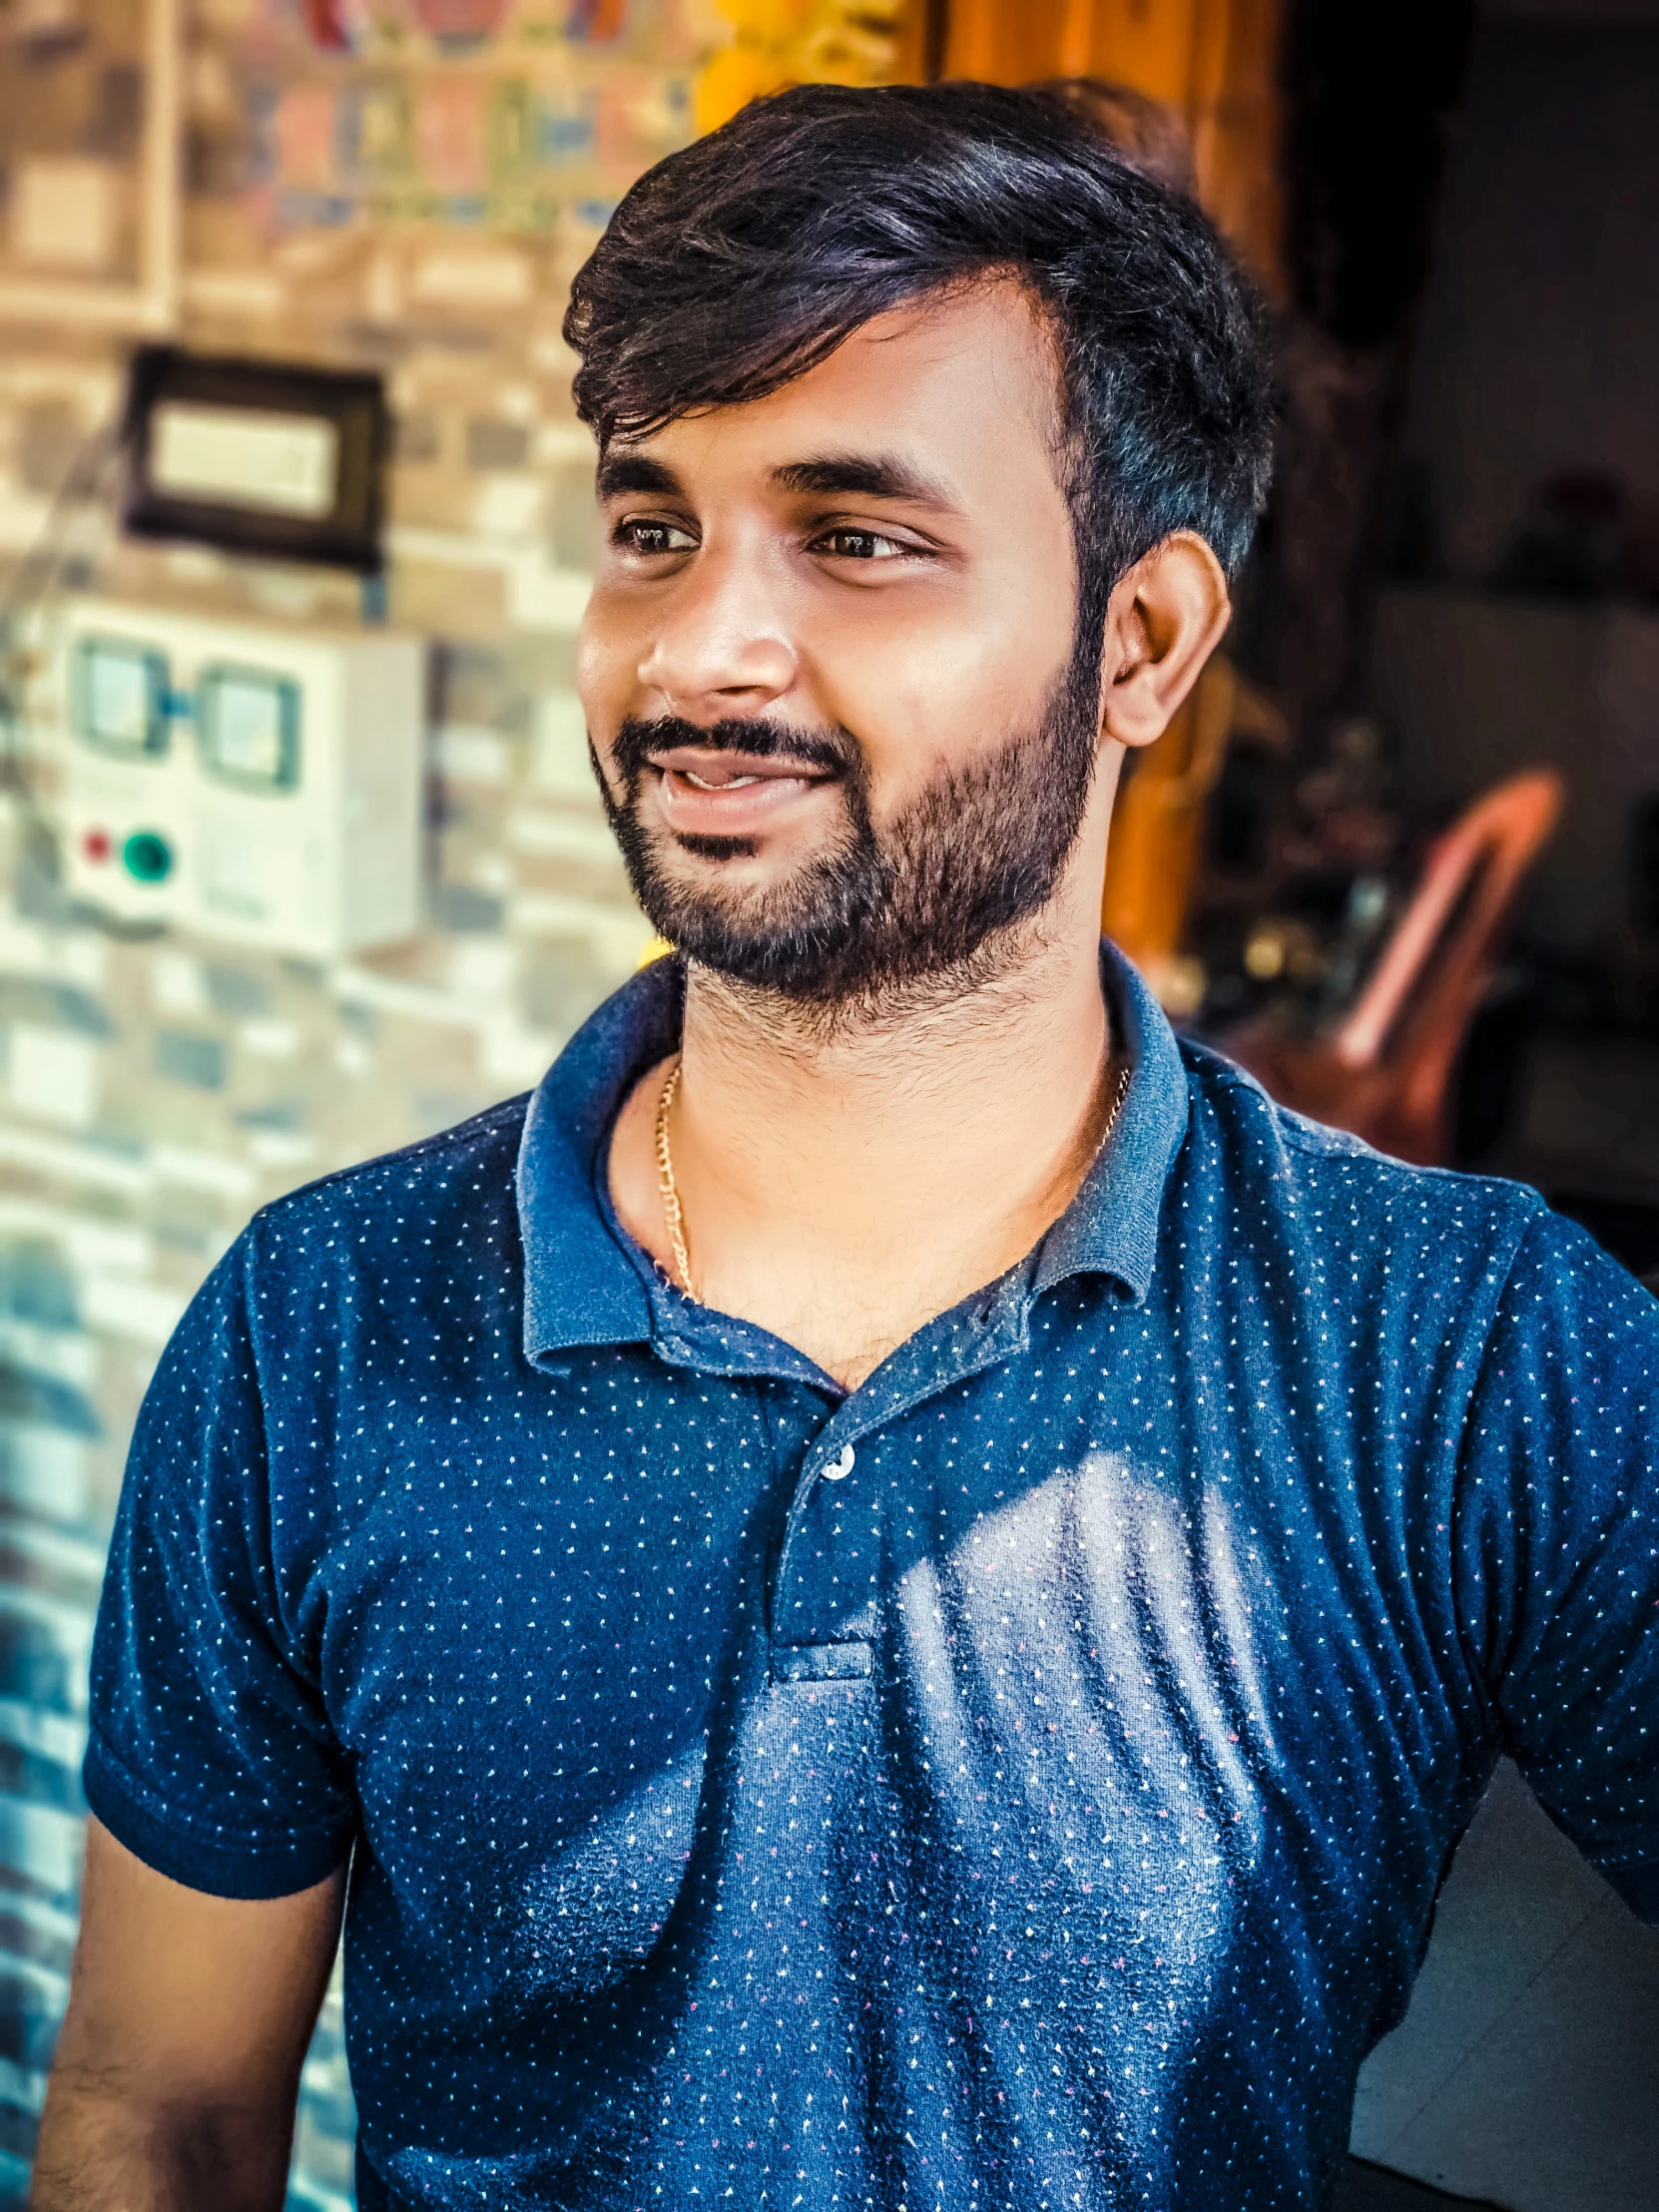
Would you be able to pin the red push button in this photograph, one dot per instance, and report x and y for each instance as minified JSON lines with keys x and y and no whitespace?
{"x":96,"y":844}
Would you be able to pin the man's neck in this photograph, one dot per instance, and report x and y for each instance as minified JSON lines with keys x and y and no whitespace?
{"x":846,"y":1179}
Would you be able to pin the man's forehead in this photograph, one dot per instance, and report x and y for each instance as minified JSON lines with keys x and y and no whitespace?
{"x":900,"y":409}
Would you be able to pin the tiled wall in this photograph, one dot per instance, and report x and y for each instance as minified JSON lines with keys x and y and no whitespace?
{"x":153,"y":1092}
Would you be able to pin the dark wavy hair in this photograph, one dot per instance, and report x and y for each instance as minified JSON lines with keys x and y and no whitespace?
{"x":745,"y":259}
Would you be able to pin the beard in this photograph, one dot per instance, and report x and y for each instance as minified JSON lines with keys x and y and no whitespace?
{"x":936,"y":892}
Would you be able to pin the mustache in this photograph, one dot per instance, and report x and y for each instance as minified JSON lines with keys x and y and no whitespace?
{"x":833,"y":751}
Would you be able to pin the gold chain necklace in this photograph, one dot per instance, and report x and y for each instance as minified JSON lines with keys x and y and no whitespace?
{"x":673,"y":1213}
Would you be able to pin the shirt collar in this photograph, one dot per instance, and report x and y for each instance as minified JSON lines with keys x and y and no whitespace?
{"x":582,"y":1288}
{"x":1111,"y":1225}
{"x":580,"y":1285}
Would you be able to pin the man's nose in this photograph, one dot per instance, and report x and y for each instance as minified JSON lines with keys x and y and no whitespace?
{"x":719,"y":647}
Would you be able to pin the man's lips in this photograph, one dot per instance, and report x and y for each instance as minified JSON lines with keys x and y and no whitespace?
{"x":706,"y":791}
{"x":709,"y":767}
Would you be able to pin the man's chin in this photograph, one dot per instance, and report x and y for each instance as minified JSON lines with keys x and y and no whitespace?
{"x":742,"y":899}
{"x":764,"y":952}
{"x":756,"y":935}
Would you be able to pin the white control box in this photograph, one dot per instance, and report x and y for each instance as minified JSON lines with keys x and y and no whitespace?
{"x":249,"y":779}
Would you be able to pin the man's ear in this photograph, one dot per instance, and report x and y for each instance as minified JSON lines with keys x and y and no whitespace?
{"x":1165,"y":618}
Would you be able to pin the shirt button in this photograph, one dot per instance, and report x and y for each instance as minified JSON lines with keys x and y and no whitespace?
{"x":839,"y":1469}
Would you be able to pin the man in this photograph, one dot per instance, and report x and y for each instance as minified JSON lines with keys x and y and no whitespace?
{"x":897,"y":1589}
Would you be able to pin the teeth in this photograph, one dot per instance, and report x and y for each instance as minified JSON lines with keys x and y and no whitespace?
{"x":731,"y":784}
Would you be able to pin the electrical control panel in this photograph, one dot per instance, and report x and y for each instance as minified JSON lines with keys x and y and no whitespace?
{"x":241,"y":778}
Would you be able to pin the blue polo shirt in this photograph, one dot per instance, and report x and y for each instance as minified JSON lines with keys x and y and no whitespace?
{"x":1021,"y":1782}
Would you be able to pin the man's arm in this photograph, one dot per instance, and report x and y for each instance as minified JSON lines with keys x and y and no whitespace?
{"x":178,"y":2064}
{"x":1555,"y":1546}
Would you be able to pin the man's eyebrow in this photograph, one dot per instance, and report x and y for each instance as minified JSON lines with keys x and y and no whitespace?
{"x":866,"y":475}
{"x":623,"y":471}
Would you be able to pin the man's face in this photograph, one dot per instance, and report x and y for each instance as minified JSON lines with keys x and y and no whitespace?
{"x":845,"y":731}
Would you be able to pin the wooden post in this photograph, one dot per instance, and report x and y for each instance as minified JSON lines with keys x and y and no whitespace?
{"x":1213,"y":62}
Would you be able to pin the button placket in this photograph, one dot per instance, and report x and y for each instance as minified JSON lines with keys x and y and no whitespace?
{"x":992,"y":1333}
{"x":820,"y":1625}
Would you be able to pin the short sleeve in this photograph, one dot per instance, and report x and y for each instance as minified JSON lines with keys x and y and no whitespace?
{"x":210,"y":1755}
{"x":1557,"y":1546}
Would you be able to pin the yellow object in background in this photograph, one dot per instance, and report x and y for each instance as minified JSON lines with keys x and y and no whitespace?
{"x":777,"y":43}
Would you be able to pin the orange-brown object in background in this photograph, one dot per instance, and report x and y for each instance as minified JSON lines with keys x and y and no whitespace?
{"x":1155,"y":825}
{"x":1213,"y":61}
{"x":1385,"y":1073}
{"x":1159,"y":820}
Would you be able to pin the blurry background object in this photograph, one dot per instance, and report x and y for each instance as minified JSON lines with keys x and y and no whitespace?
{"x":1158,"y":825}
{"x":256,"y":457}
{"x":457,"y":26}
{"x":1386,"y":1071}
{"x":775,"y":43}
{"x":252,"y":781}
{"x":90,"y":116}
{"x":1572,"y":541}
{"x":1169,"y":77}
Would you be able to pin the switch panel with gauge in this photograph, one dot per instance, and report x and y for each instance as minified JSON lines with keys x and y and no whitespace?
{"x":241,"y":778}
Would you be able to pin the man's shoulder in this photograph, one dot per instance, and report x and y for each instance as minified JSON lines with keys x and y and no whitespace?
{"x":1293,"y":1164}
{"x":428,"y":1187}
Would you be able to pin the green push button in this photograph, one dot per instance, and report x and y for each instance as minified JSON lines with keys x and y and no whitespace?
{"x":147,"y":857}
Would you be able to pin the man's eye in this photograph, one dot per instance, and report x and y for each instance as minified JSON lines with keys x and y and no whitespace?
{"x":647,"y":539}
{"x":860,"y":545}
